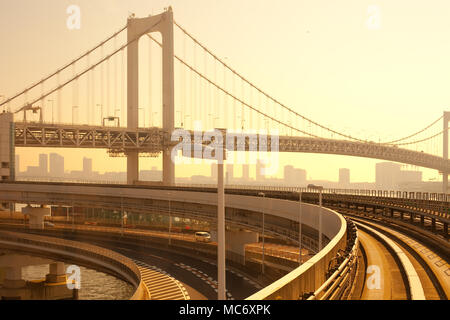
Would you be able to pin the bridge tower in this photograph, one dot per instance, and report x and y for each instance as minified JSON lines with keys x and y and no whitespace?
{"x":136,"y":28}
{"x":445,"y":151}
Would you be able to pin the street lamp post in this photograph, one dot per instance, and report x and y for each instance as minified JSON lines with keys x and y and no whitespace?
{"x":299,"y":227}
{"x":221,"y":229}
{"x":73,"y":113}
{"x":262,"y":194}
{"x":320,"y":219}
{"x":320,"y":189}
{"x":153,"y":118}
{"x":170,"y":220}
{"x":121,"y":215}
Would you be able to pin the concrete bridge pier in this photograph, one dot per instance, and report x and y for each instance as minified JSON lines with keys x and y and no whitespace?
{"x":235,"y":241}
{"x":14,"y":287}
{"x":36,"y":215}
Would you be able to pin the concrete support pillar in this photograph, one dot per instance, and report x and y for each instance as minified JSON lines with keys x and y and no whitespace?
{"x":401,"y":215}
{"x":445,"y":231}
{"x":433,"y":224}
{"x":57,"y":273}
{"x":14,"y":287}
{"x":132,"y":98}
{"x":36,"y":220}
{"x":422,"y":220}
{"x":168,"y":95}
{"x":132,"y":167}
{"x":411,"y":217}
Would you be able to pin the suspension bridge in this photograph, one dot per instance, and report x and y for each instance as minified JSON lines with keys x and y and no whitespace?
{"x":105,"y":98}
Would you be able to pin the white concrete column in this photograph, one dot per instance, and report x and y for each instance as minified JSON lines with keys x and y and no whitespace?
{"x":136,"y":28}
{"x":36,"y":215}
{"x":168,"y":94}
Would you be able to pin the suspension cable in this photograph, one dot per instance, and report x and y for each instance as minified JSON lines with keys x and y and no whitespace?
{"x":258,"y":89}
{"x":96,"y":64}
{"x":415,"y":134}
{"x":418,"y":141}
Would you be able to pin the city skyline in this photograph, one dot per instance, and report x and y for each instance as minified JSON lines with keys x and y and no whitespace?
{"x":389,"y":175}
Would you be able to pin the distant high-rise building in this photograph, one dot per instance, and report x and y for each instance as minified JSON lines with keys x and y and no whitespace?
{"x":56,"y":165}
{"x":293,"y":176}
{"x":387,"y":175}
{"x":288,"y":174}
{"x":43,"y":164}
{"x":344,"y":177}
{"x":87,"y":166}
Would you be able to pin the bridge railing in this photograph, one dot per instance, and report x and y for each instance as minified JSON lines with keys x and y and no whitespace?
{"x":356,"y":192}
{"x":315,"y":276}
{"x":340,"y":283}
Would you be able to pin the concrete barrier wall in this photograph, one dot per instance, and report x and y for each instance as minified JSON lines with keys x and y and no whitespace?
{"x":309,"y":276}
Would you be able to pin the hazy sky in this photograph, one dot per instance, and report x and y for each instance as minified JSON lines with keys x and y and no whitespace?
{"x":326,"y":59}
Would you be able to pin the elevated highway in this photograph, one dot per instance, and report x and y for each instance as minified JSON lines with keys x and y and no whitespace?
{"x":334,"y":268}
